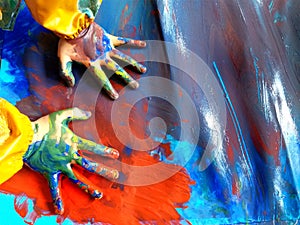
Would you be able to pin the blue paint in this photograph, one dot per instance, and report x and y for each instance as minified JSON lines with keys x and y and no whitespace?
{"x":235,"y":119}
{"x":279,"y":18}
{"x":106,"y":46}
{"x":8,"y":214}
{"x":13,"y":82}
{"x":53,"y":180}
{"x":127,"y":151}
{"x":106,"y":43}
{"x":212,"y":201}
{"x":67,"y":148}
{"x":271,"y":6}
{"x":1,"y":44}
{"x":207,"y":197}
{"x":256,"y":67}
{"x":9,"y":90}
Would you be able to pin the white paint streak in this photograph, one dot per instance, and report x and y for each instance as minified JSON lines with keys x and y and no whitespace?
{"x":169,"y":23}
{"x":287,"y":126}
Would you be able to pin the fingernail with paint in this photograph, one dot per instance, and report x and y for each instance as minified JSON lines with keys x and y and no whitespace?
{"x":133,"y":84}
{"x":142,"y":44}
{"x":88,"y":113}
{"x":115,"y":174}
{"x":58,"y":206}
{"x":113,"y":94}
{"x":96,"y":194}
{"x":142,"y":69}
{"x":114,"y":153}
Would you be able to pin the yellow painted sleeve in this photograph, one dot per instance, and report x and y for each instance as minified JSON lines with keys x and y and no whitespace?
{"x":64,"y":17}
{"x":15,"y":136}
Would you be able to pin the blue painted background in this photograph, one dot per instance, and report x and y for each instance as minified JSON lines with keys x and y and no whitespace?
{"x":254,"y":48}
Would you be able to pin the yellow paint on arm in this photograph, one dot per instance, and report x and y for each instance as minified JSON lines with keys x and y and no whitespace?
{"x":13,"y":146}
{"x":4,"y":130}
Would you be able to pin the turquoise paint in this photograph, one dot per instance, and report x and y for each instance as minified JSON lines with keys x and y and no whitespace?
{"x":271,"y":6}
{"x":235,"y":119}
{"x":7,"y":80}
{"x":279,"y":18}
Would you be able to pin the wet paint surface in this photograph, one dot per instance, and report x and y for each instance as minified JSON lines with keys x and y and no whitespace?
{"x":252,"y":47}
{"x":253,"y":178}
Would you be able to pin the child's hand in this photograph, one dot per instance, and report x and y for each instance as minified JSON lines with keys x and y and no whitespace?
{"x":55,"y":148}
{"x":95,"y":48}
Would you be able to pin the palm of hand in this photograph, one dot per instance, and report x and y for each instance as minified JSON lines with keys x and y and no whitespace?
{"x":95,"y":48}
{"x":55,"y":149}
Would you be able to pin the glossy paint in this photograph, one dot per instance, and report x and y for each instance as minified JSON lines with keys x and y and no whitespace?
{"x":251,"y":47}
{"x":54,"y":149}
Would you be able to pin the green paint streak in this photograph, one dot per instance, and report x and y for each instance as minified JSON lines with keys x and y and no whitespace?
{"x":36,"y":128}
{"x":89,"y":7}
{"x":271,"y":6}
{"x":10,"y":10}
{"x":68,"y":74}
{"x":69,"y":67}
{"x":52,"y":154}
{"x":102,"y":77}
{"x":279,"y":18}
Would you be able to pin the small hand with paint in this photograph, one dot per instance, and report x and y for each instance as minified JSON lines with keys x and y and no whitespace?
{"x":55,"y":148}
{"x":95,"y":48}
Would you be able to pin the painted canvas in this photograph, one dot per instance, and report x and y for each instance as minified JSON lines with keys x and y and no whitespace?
{"x":195,"y":103}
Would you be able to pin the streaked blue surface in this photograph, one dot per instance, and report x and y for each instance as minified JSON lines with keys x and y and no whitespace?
{"x":255,"y":47}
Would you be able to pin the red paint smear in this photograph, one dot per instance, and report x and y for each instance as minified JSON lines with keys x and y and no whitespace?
{"x":124,"y":19}
{"x":36,"y":77}
{"x":120,"y":204}
{"x":146,"y":107}
{"x":21,"y":205}
{"x":131,"y":204}
{"x":230,"y":154}
{"x":271,"y":148}
{"x":167,"y":149}
{"x":155,"y":12}
{"x":235,"y":186}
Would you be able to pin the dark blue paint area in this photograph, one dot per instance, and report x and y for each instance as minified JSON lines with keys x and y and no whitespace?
{"x":1,"y":44}
{"x":13,"y":82}
{"x":127,"y":151}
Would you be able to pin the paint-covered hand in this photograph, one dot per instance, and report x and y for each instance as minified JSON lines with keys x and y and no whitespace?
{"x":55,"y":148}
{"x":95,"y":48}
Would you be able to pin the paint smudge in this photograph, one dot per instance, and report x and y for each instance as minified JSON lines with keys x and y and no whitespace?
{"x":131,"y":204}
